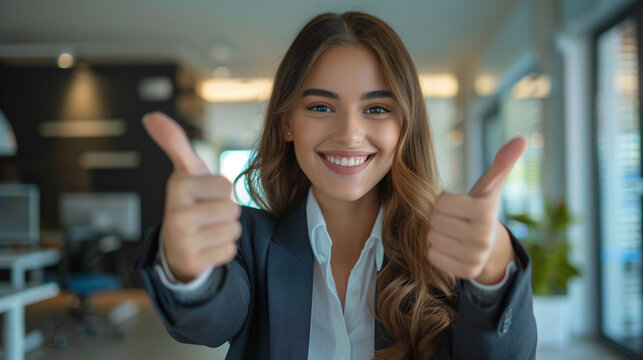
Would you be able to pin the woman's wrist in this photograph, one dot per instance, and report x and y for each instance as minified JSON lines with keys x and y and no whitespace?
{"x":502,"y":254}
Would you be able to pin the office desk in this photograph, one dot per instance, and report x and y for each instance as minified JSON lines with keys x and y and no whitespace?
{"x":22,"y":260}
{"x":13,"y":301}
{"x":19,"y":261}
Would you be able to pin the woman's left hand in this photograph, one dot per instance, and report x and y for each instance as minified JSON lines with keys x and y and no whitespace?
{"x":466,"y":237}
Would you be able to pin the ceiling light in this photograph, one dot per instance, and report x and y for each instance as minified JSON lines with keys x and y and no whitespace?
{"x":65,"y":60}
{"x":485,"y":85}
{"x":235,"y":90}
{"x":439,"y":85}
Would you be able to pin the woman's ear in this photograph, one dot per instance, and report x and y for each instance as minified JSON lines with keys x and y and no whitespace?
{"x":287,"y":128}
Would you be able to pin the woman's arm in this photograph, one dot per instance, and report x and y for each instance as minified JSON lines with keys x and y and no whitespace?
{"x":209,"y":315}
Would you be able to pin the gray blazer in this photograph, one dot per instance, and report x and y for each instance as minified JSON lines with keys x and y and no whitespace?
{"x":261,"y":301}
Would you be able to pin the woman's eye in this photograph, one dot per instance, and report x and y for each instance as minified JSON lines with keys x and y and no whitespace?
{"x":319,"y":108}
{"x":376,"y":110}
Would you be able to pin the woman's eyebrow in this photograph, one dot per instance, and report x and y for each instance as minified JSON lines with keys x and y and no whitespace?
{"x":329,"y":94}
{"x":376,"y":94}
{"x":320,"y":92}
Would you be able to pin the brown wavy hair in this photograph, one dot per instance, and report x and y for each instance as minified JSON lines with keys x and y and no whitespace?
{"x":415,"y":301}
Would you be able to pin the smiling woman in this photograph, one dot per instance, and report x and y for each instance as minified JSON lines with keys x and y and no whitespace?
{"x":346,"y":115}
{"x":355,"y":252}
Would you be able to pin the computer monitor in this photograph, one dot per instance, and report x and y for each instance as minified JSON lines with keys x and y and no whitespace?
{"x":19,"y":214}
{"x":113,"y":213}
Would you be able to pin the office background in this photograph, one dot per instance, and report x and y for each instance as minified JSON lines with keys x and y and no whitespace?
{"x":76,"y":77}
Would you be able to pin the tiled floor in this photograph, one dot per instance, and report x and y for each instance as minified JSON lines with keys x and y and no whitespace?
{"x":147,"y":339}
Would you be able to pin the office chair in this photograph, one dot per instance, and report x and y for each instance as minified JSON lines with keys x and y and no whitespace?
{"x":82,"y":273}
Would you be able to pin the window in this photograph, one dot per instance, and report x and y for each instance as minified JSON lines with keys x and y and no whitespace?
{"x":231,"y":164}
{"x":518,"y":112}
{"x":618,"y":151}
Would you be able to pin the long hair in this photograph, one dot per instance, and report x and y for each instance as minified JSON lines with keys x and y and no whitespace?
{"x":415,"y":301}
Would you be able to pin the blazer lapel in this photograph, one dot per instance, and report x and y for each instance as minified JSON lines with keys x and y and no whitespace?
{"x":290,"y":287}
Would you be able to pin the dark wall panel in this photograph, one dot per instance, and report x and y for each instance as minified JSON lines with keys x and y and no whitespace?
{"x":30,"y":95}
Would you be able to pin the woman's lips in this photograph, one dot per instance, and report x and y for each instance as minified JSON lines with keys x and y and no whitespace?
{"x":346,"y":162}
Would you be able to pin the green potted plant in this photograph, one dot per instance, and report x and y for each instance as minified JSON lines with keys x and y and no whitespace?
{"x":547,"y":243}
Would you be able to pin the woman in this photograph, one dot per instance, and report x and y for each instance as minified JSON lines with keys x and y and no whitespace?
{"x":355,"y":248}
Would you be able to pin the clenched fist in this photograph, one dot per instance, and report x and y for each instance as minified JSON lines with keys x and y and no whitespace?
{"x":201,"y":222}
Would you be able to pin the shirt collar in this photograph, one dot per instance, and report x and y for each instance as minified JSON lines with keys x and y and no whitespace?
{"x":321,"y":242}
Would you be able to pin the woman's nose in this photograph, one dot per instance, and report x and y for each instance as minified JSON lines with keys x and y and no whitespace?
{"x":349,"y":130}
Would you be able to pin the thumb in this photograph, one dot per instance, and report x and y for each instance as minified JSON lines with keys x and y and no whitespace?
{"x":493,"y":180}
{"x":169,"y":135}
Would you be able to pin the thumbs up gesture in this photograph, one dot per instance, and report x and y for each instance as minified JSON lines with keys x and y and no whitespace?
{"x":466,"y":237}
{"x":201,"y":223}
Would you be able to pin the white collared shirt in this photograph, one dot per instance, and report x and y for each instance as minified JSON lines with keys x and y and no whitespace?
{"x":335,"y":334}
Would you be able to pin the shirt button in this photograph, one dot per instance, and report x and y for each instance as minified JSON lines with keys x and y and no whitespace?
{"x":353,"y":292}
{"x":344,"y":342}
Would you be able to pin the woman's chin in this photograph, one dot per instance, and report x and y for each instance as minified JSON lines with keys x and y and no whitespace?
{"x":345,"y":194}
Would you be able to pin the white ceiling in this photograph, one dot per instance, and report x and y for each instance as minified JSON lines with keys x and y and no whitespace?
{"x":254,"y":35}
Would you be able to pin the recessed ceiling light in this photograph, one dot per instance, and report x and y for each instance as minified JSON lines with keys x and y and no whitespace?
{"x":65,"y":60}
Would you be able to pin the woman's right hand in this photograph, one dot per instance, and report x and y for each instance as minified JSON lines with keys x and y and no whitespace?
{"x":201,"y":223}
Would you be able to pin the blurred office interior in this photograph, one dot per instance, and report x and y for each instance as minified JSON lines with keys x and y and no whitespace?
{"x":81,"y":181}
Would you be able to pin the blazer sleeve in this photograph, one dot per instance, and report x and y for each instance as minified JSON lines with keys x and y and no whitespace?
{"x":505,"y":329}
{"x":210,"y":319}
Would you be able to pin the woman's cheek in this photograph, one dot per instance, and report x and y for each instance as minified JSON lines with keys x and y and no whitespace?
{"x":387,"y":137}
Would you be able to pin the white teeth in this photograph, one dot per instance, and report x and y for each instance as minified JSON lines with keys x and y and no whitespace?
{"x":346,"y":161}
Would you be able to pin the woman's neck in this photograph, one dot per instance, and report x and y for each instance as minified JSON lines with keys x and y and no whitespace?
{"x":349,"y":223}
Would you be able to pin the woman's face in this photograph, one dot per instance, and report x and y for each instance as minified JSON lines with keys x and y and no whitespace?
{"x":346,"y":125}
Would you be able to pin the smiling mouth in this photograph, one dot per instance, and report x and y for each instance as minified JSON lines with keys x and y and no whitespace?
{"x":346,"y":161}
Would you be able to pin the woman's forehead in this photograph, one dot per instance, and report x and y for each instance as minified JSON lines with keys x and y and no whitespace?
{"x":347,"y":70}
